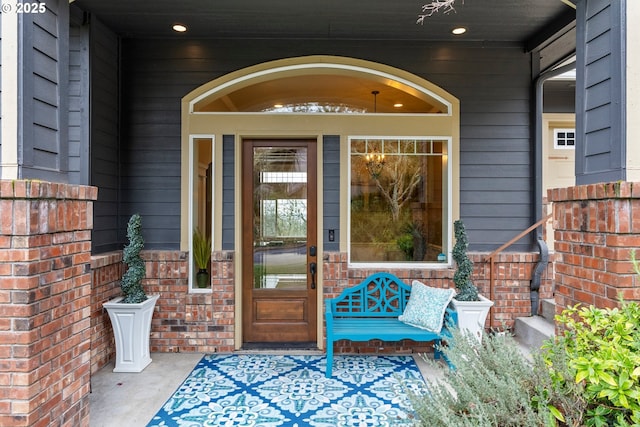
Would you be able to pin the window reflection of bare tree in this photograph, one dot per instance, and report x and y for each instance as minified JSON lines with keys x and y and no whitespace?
{"x":398,"y":180}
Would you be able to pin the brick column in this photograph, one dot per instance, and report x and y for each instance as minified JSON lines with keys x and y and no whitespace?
{"x":45,"y":288}
{"x":596,"y":228}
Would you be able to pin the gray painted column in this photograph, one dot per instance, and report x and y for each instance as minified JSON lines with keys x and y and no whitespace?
{"x":601,"y":91}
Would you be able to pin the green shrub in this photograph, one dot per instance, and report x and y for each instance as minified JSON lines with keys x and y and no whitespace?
{"x":405,"y":244}
{"x":587,"y":376}
{"x":493,"y":384}
{"x":602,"y":347}
{"x":467,"y":291}
{"x":131,"y":283}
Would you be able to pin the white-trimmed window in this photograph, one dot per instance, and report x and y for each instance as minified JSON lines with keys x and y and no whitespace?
{"x":399,"y":199}
{"x":564,"y":138}
{"x":201,"y":180}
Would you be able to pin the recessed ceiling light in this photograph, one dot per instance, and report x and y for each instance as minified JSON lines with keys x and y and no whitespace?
{"x":459,"y":30}
{"x":278,"y":105}
{"x":179,"y":28}
{"x":398,"y":105}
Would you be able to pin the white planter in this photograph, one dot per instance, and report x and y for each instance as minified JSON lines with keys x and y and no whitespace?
{"x":131,"y":328}
{"x":472,"y":315}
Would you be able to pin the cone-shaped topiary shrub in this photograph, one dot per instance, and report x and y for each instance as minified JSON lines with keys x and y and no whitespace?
{"x":467,"y":291}
{"x":131,"y":284}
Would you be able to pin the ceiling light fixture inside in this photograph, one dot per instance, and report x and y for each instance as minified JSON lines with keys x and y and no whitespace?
{"x":459,"y":30}
{"x":179,"y":28}
{"x":398,"y":105}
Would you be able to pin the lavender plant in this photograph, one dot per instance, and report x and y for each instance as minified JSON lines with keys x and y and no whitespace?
{"x":494,"y":385}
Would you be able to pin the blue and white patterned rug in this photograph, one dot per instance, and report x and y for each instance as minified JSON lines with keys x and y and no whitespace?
{"x":281,"y":390}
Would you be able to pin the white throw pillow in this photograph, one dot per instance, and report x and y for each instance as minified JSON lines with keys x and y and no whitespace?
{"x":426,"y":306}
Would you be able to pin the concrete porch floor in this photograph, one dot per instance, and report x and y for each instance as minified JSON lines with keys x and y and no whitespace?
{"x":131,"y":400}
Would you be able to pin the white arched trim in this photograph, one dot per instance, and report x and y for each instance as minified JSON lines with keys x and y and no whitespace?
{"x":319,"y":65}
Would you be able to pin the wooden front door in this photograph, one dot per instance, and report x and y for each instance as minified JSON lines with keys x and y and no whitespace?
{"x":280,"y":263}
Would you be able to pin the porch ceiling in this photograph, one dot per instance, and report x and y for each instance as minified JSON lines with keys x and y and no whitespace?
{"x":516,"y":21}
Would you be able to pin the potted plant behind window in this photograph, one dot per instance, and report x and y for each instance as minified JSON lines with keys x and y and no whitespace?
{"x":131,"y":313}
{"x":472,"y":307}
{"x":201,"y":257}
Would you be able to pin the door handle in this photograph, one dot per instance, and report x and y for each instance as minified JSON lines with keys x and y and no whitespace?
{"x":312,"y":269}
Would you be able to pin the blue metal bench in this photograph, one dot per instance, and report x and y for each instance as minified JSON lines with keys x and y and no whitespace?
{"x":370,"y":310}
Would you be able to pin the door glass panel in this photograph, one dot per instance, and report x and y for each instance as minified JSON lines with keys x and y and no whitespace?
{"x":279,"y":218}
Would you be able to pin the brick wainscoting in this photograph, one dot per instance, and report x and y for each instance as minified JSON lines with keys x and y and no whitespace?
{"x":204,"y":322}
{"x":182,"y":321}
{"x":190,"y":322}
{"x":45,"y":291}
{"x":510,"y":293}
{"x":596,"y":228}
{"x":106,"y":272}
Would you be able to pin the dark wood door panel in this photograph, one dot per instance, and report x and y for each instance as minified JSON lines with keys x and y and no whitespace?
{"x":279,"y":230}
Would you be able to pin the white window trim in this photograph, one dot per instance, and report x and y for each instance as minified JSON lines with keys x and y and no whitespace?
{"x":449,"y":203}
{"x":555,"y":139}
{"x":193,"y":288}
